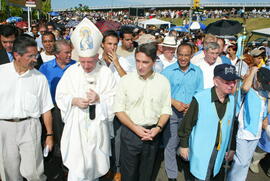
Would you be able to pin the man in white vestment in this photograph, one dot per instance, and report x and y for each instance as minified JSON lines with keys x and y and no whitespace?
{"x":85,"y":95}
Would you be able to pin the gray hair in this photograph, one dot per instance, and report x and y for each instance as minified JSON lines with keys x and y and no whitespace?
{"x":22,"y":43}
{"x":212,"y":46}
{"x":58,"y":45}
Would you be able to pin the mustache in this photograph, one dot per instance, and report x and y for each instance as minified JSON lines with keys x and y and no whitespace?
{"x":32,"y":64}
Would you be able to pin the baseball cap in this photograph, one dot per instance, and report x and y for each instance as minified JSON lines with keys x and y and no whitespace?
{"x":226,"y":72}
{"x":256,"y":52}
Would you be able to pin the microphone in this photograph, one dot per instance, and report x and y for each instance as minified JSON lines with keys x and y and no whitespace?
{"x":92,"y":111}
{"x":91,"y":84}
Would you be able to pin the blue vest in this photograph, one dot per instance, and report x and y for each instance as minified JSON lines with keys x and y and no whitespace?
{"x":264,"y":142}
{"x":252,"y":110}
{"x":203,"y":136}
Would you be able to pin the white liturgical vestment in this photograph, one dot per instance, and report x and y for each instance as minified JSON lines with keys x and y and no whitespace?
{"x":85,"y":143}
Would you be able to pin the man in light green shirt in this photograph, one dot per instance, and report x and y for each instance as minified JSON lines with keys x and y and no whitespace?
{"x":143,"y":105}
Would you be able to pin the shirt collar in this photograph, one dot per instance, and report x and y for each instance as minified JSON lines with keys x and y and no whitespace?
{"x":148,"y":78}
{"x":54,"y":63}
{"x":214,"y":97}
{"x":176,"y":66}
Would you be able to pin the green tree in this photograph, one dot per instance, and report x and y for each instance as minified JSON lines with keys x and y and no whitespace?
{"x":4,"y":13}
{"x":46,"y":7}
{"x":15,"y":11}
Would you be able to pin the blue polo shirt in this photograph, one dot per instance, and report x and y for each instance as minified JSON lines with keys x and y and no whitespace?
{"x":184,"y":84}
{"x":53,"y":73}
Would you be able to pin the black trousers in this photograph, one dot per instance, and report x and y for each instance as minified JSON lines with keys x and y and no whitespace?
{"x":209,"y":175}
{"x":137,"y":157}
{"x":53,"y":165}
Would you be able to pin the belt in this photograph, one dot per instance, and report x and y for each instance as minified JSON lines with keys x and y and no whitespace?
{"x":16,"y":120}
{"x":149,"y":127}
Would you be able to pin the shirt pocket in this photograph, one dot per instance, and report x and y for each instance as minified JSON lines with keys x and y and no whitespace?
{"x":31,"y":105}
{"x":155,"y":106}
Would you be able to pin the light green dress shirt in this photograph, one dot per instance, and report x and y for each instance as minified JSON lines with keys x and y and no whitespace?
{"x":144,"y":101}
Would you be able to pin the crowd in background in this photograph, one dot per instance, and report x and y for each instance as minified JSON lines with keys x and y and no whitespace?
{"x":119,"y":53}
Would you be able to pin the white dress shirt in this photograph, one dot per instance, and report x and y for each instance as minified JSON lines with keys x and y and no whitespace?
{"x":25,"y":95}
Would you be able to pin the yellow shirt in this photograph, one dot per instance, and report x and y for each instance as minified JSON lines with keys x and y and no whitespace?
{"x":144,"y":101}
{"x":262,"y":63}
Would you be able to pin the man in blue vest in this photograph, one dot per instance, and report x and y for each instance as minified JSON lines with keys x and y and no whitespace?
{"x":205,"y":129}
{"x":253,"y":111}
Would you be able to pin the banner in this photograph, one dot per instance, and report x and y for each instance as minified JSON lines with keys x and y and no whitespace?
{"x":23,"y":3}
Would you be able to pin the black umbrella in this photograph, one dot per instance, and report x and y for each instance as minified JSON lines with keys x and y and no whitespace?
{"x":224,"y":27}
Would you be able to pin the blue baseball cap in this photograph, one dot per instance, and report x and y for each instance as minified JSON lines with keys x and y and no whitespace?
{"x":226,"y":72}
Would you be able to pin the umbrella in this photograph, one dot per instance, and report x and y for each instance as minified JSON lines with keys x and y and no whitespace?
{"x":179,"y":28}
{"x":224,"y":27}
{"x":196,"y":25}
{"x":14,"y":19}
{"x":54,"y":13}
{"x":108,"y":25}
{"x":22,"y":24}
{"x":72,"y":23}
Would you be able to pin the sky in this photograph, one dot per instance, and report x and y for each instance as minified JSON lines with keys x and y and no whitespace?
{"x":64,"y":4}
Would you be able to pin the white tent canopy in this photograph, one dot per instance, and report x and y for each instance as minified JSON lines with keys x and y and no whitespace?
{"x":263,"y":32}
{"x":154,"y":21}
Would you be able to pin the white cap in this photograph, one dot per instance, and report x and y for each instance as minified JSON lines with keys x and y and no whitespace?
{"x":86,"y":38}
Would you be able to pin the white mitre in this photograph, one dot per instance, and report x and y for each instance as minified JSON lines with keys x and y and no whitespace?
{"x":86,"y":38}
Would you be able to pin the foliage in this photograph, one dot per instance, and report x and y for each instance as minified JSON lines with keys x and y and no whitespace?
{"x":251,"y":23}
{"x":81,"y":8}
{"x":15,"y":11}
{"x":46,"y":7}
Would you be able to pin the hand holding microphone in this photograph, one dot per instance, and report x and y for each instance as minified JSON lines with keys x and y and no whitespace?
{"x":93,"y":98}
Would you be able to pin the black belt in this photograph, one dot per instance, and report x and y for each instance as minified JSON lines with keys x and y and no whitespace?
{"x":149,"y":127}
{"x":16,"y":120}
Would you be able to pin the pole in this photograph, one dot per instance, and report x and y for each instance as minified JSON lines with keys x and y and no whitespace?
{"x":190,"y":15}
{"x":38,"y":15}
{"x":237,"y":94}
{"x":28,"y":15}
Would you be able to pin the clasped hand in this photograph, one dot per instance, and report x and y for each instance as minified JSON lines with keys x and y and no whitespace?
{"x":146,"y":134}
{"x":91,"y":97}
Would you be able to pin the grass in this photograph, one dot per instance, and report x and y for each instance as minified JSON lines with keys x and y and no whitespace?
{"x":251,"y":24}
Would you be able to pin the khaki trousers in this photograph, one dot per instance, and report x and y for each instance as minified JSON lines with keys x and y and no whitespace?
{"x":20,"y":151}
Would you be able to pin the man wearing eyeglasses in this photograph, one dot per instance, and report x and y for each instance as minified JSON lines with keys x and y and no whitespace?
{"x":25,"y":97}
{"x":205,"y":129}
{"x":8,"y":34}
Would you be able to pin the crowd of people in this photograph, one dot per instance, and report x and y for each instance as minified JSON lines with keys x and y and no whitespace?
{"x":104,"y":104}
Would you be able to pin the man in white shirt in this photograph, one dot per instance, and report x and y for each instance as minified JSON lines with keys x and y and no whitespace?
{"x":168,"y":57}
{"x":25,"y":96}
{"x":208,"y":63}
{"x":199,"y":56}
{"x":48,"y":41}
{"x":119,"y":67}
{"x":85,"y":96}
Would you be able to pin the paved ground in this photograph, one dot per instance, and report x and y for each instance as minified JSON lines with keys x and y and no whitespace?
{"x":160,"y":174}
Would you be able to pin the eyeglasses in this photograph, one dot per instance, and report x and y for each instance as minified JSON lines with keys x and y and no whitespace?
{"x":33,"y":56}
